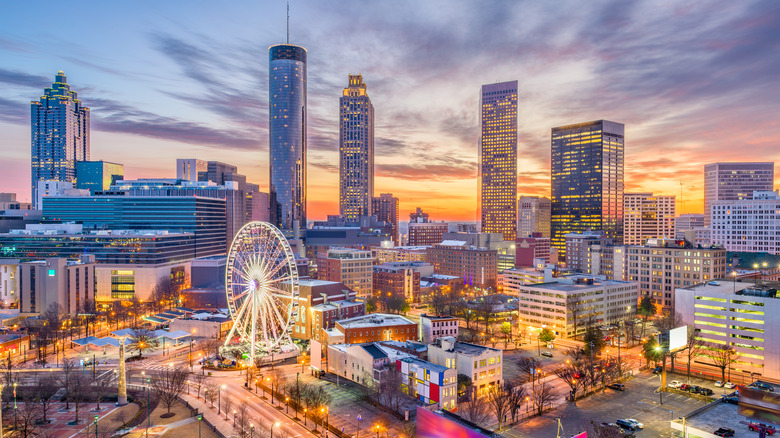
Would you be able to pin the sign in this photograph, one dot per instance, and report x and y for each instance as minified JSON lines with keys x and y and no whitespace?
{"x":678,"y":338}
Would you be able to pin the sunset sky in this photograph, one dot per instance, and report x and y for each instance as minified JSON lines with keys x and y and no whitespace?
{"x":694,"y":82}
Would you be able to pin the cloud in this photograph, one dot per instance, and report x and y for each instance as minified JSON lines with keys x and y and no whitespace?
{"x":24,"y":79}
{"x":14,"y":111}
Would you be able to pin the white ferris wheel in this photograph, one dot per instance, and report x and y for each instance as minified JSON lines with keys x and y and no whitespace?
{"x":262,"y":290}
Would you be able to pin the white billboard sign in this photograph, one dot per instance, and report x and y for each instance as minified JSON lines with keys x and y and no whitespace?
{"x":678,"y":338}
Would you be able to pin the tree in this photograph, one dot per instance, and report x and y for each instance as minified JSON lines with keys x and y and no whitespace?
{"x":629,"y":325}
{"x":169,"y":385}
{"x":467,"y":315}
{"x":693,"y":349}
{"x":79,"y":391}
{"x":88,"y":313}
{"x":315,"y":397}
{"x":652,"y":350}
{"x":26,"y":418}
{"x":498,"y":401}
{"x":397,"y":304}
{"x":227,"y":403}
{"x":278,"y":379}
{"x":142,"y":340}
{"x":721,"y":356}
{"x":165,"y":292}
{"x":516,"y":391}
{"x":646,"y":309}
{"x":668,"y":321}
{"x":574,"y":374}
{"x":68,"y":370}
{"x":438,"y":304}
{"x":101,"y":386}
{"x":199,"y":380}
{"x":593,"y":337}
{"x":211,"y":392}
{"x":295,"y":391}
{"x":43,"y":391}
{"x":392,"y":388}
{"x":464,"y":385}
{"x":528,"y":367}
{"x":543,"y":395}
{"x":605,"y":430}
{"x":372,"y":304}
{"x":474,"y":409}
{"x":486,"y":312}
{"x":573,"y":308}
{"x":243,"y":420}
{"x":506,"y":330}
{"x":546,"y":335}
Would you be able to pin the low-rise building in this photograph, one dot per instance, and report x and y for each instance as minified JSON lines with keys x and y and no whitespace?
{"x":477,"y":266}
{"x":9,"y":287}
{"x":399,"y":253}
{"x":482,"y":364}
{"x":426,"y":233}
{"x":203,"y":325}
{"x":528,"y":249}
{"x":56,"y":281}
{"x":360,"y":363}
{"x":322,"y":303}
{"x":374,"y":327}
{"x":400,"y":279}
{"x":351,"y":267}
{"x":433,"y":327}
{"x":578,"y":245}
{"x":610,"y":261}
{"x":429,"y":383}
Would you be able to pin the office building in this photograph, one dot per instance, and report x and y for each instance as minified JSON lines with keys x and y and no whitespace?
{"x":59,"y":124}
{"x":56,"y":188}
{"x":426,"y":233}
{"x":564,"y":305}
{"x":587,"y":180}
{"x":386,"y":209}
{"x":578,"y":247}
{"x":56,"y":281}
{"x":738,"y":315}
{"x":482,"y":364}
{"x":9,"y":286}
{"x":337,"y":232}
{"x":400,"y":279}
{"x":533,"y":247}
{"x":687,"y":222}
{"x":356,"y":150}
{"x":647,"y":217}
{"x":384,"y":255}
{"x":498,"y":159}
{"x":511,"y":279}
{"x":609,"y":261}
{"x":477,"y":267}
{"x":351,"y":267}
{"x":287,"y":136}
{"x":205,"y":218}
{"x":505,"y":249}
{"x":189,"y":169}
{"x":433,"y":327}
{"x":734,"y":182}
{"x":98,"y":176}
{"x":750,"y":225}
{"x":662,"y":266}
{"x":533,"y":216}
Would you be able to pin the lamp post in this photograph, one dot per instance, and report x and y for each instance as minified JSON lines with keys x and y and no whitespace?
{"x":251,"y":430}
{"x":286,"y":401}
{"x":200,"y":417}
{"x":272,"y":428}
{"x":304,"y":416}
{"x":359,"y":419}
{"x":96,"y":430}
{"x":268,"y":379}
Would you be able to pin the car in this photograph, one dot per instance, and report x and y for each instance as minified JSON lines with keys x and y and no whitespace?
{"x":693,"y":389}
{"x":732,"y":399}
{"x":729,"y":385}
{"x":636,"y":423}
{"x":684,"y":387}
{"x":625,"y":424}
{"x":675,"y":384}
{"x":756,"y":427}
{"x":547,"y":354}
{"x":762,"y":385}
{"x":719,"y":384}
{"x":617,"y":386}
{"x":724,"y":431}
{"x":705,"y":391}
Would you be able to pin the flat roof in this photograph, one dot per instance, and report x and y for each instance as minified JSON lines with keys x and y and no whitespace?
{"x":374,"y":320}
{"x":312,"y":283}
{"x":714,"y":416}
{"x":719,"y":286}
{"x":425,"y":364}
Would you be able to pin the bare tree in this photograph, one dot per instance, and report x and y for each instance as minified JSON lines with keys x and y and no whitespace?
{"x":79,"y":391}
{"x":528,"y":367}
{"x":574,"y":374}
{"x":45,"y":388}
{"x":142,"y":340}
{"x":26,"y":419}
{"x":165,"y":292}
{"x":391,"y":391}
{"x":475,"y":409}
{"x":211,"y":392}
{"x":721,"y":356}
{"x":573,"y":308}
{"x":315,"y":397}
{"x":169,"y":385}
{"x":295,"y":391}
{"x":498,"y":401}
{"x":210,"y":346}
{"x":629,"y":325}
{"x":242,"y":420}
{"x":693,"y":349}
{"x":227,"y":403}
{"x":200,"y":381}
{"x":409,"y":429}
{"x":9,"y":376}
{"x":438,"y":304}
{"x":605,"y":430}
{"x":68,"y":371}
{"x":516,"y":392}
{"x":544,"y":395}
{"x":101,"y":386}
{"x":278,"y":379}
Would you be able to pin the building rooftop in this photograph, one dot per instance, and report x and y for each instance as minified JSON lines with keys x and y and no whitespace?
{"x":462,"y":347}
{"x":437,"y":317}
{"x":453,"y":243}
{"x":374,"y":351}
{"x":425,"y":364}
{"x":308,"y":282}
{"x":719,"y":287}
{"x":333,"y":305}
{"x":405,"y":248}
{"x":712,"y":417}
{"x":374,"y":320}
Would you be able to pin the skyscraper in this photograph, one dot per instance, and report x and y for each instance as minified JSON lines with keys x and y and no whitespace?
{"x":356,"y":150}
{"x":59,"y":126}
{"x":647,"y":217}
{"x":587,"y":180}
{"x":386,"y":208}
{"x":287,"y":135}
{"x":735,"y":182}
{"x":533,"y":216}
{"x":498,"y":159}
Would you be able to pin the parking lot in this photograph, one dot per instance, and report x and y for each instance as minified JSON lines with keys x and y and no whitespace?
{"x":639,"y":401}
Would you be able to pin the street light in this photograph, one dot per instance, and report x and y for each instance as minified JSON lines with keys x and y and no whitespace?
{"x":286,"y":401}
{"x":272,"y":428}
{"x":251,"y":430}
{"x":304,"y":416}
{"x":200,"y":417}
{"x":96,"y":430}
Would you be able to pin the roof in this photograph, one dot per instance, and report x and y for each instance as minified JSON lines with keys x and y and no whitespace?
{"x":374,"y":351}
{"x":437,"y":317}
{"x":333,"y":305}
{"x":467,"y":348}
{"x":425,"y":364}
{"x":312,"y":283}
{"x":712,"y":417}
{"x":453,"y":243}
{"x":374,"y":320}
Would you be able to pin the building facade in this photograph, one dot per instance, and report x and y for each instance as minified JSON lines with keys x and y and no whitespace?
{"x":9,"y":287}
{"x":750,"y":225}
{"x":400,"y":279}
{"x":426,"y":233}
{"x":433,"y":327}
{"x":59,"y":124}
{"x":97,"y":176}
{"x":578,"y":248}
{"x":476,"y":266}
{"x":322,"y":303}
{"x":386,"y":209}
{"x":351,"y":267}
{"x":399,"y":254}
{"x":376,"y":327}
{"x":498,"y":159}
{"x":533,"y":216}
{"x":482,"y":364}
{"x":432,"y":385}
{"x":587,"y":180}
{"x":647,"y":217}
{"x":609,"y":261}
{"x":287,"y":136}
{"x":687,"y":222}
{"x":661,"y":267}
{"x":58,"y":281}
{"x":356,"y":150}
{"x":533,"y":247}
{"x":734,"y":182}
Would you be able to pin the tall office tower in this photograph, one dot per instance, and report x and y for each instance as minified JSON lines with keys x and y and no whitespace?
{"x":97,"y":176}
{"x":533,"y":216}
{"x":386,"y":208}
{"x":189,"y":168}
{"x":735,"y":182}
{"x":587,"y":180}
{"x":287,"y":135}
{"x":498,"y":160}
{"x":647,"y":217}
{"x":60,"y":134}
{"x":356,"y":150}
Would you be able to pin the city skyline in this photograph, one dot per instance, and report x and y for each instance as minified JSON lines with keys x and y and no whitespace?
{"x":425,"y":75}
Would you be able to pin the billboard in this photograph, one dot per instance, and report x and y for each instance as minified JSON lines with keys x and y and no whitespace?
{"x":446,"y":425}
{"x":759,"y":405}
{"x":678,"y":338}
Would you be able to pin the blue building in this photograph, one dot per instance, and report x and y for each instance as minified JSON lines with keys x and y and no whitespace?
{"x":287,"y":136}
{"x":97,"y":176}
{"x":59,"y":125}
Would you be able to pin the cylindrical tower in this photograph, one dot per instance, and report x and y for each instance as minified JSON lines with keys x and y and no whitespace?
{"x":287,"y":135}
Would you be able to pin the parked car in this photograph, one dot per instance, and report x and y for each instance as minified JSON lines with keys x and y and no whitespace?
{"x":705,"y":391}
{"x":617,"y":386}
{"x":762,"y":385}
{"x":719,"y":384}
{"x":636,"y":423}
{"x":625,"y":424}
{"x":694,"y":389}
{"x":547,"y":354}
{"x":756,"y":427}
{"x":732,"y":399}
{"x":724,"y":431}
{"x":685,"y":387}
{"x":675,"y":384}
{"x":729,"y":385}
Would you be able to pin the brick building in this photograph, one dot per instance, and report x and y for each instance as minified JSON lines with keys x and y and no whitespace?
{"x":374,"y":327}
{"x":476,"y":266}
{"x":321,"y":304}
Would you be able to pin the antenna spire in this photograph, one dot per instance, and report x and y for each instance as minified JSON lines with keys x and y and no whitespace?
{"x":288,"y":21}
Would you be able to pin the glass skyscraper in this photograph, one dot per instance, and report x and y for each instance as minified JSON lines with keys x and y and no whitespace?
{"x":97,"y":176}
{"x":356,"y":150}
{"x":287,"y":135}
{"x":498,"y":159}
{"x":59,"y":125}
{"x":587,"y":180}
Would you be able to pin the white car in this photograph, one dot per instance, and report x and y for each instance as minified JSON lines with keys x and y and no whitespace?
{"x":729,"y":385}
{"x":719,"y":384}
{"x":674,"y":384}
{"x":635,"y":423}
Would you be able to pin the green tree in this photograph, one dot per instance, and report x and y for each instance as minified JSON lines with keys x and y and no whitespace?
{"x":464,"y":384}
{"x":506,"y":330}
{"x":646,"y":309}
{"x":652,"y":350}
{"x":546,"y":335}
{"x":142,"y":340}
{"x":372,"y":304}
{"x":593,"y":336}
